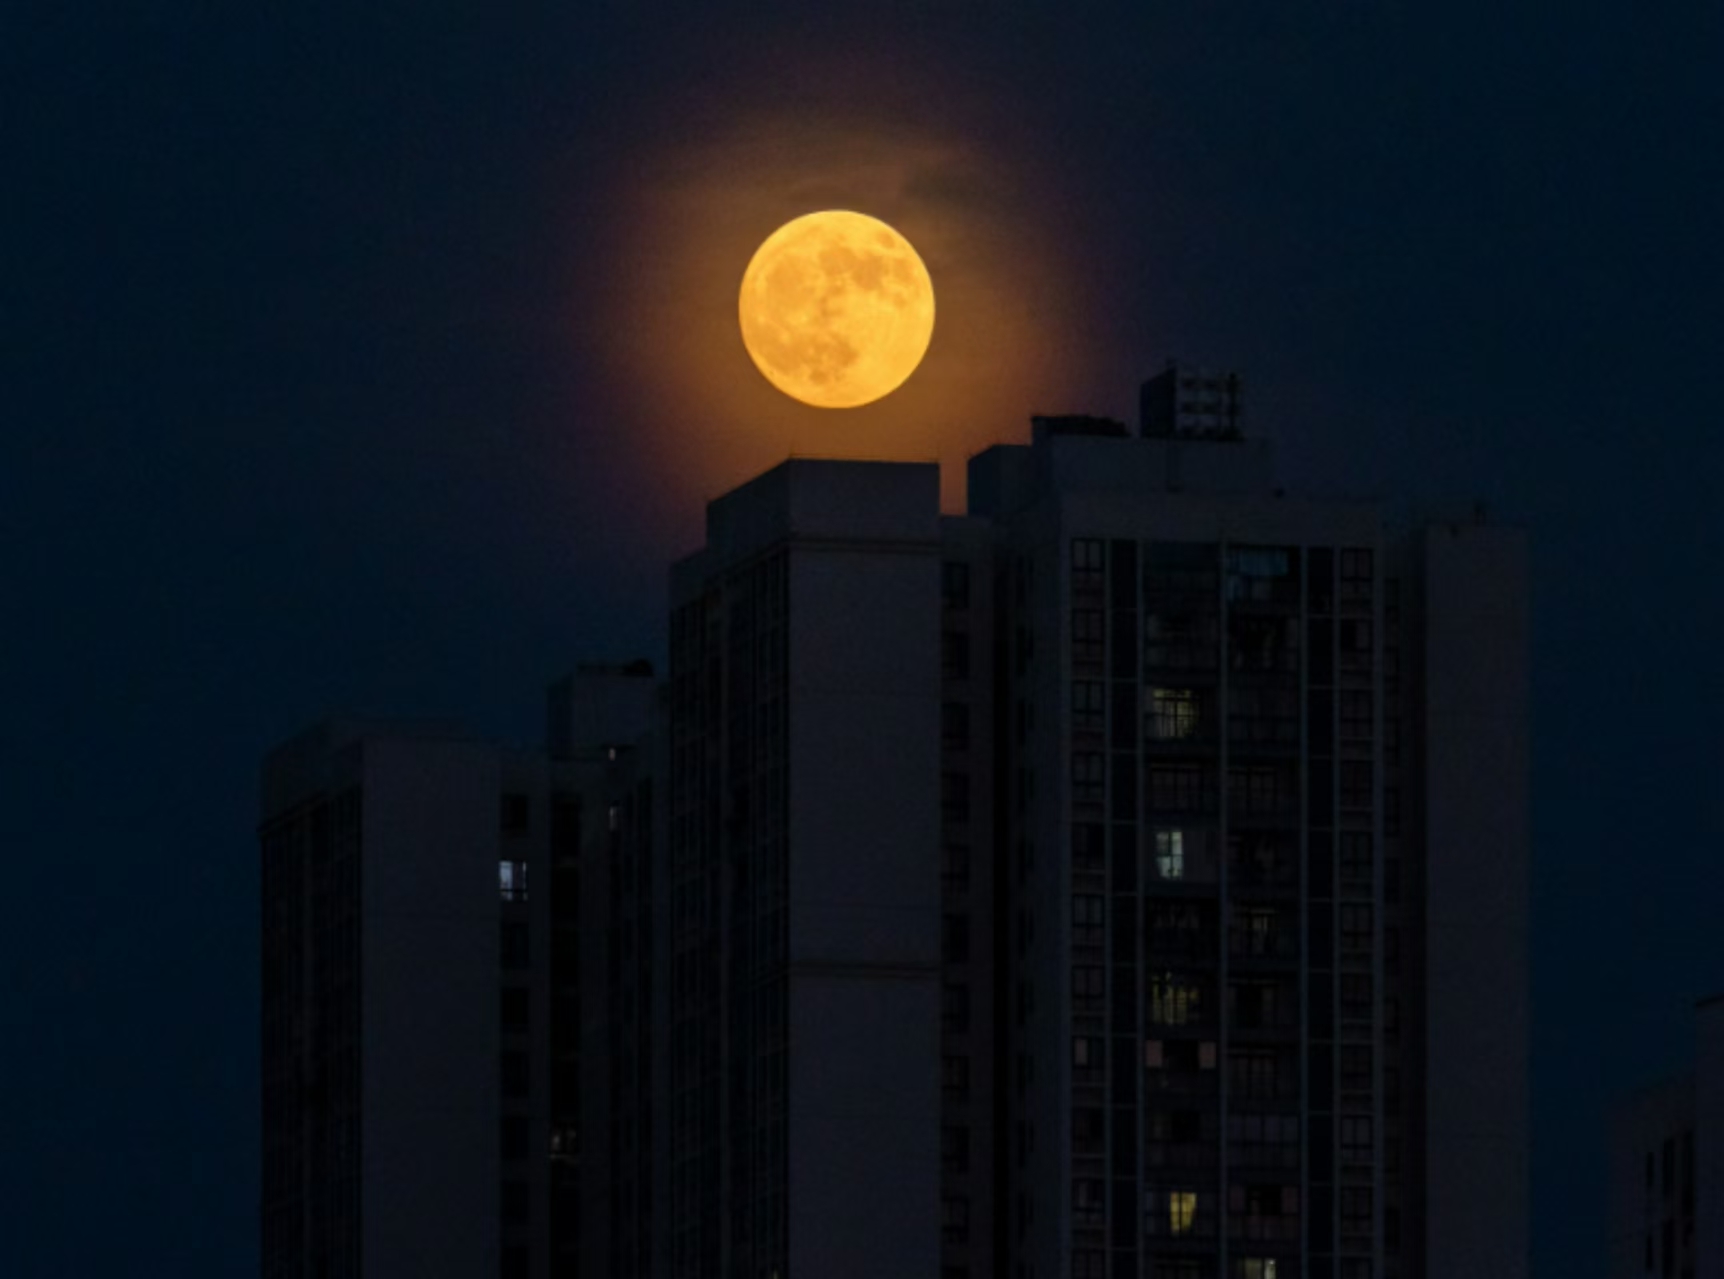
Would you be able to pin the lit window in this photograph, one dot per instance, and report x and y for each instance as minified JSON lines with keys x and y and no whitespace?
{"x":1181,"y":1210}
{"x":1174,"y":1000}
{"x":1257,"y":1268}
{"x":1173,"y":714}
{"x":512,"y":881}
{"x":1170,"y":854}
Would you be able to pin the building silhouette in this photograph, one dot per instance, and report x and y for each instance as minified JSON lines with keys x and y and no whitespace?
{"x":1667,"y":1168}
{"x":1124,"y":878}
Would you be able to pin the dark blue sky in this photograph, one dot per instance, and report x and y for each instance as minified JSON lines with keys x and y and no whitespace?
{"x":327,"y":355}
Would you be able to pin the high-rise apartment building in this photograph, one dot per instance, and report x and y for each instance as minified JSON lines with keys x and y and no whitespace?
{"x":1261,"y":773}
{"x":802,"y":901}
{"x":1124,"y":878}
{"x":423,"y":1012}
{"x":407,"y":1126}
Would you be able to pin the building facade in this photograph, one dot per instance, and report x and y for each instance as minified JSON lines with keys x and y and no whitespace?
{"x":406,"y":1112}
{"x":803,"y":888}
{"x":1125,"y":878}
{"x":1264,"y":841}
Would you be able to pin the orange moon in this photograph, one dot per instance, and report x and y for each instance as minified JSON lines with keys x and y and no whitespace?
{"x":837,"y":309}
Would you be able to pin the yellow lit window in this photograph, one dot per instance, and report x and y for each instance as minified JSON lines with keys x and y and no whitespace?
{"x":1172,"y":714}
{"x":1181,"y":1209}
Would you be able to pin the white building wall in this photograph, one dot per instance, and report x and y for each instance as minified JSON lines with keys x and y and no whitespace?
{"x":1475,"y":801}
{"x":864,"y":774}
{"x":429,"y":1143}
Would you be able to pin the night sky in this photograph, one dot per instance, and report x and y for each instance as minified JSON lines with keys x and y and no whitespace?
{"x":381,"y":362}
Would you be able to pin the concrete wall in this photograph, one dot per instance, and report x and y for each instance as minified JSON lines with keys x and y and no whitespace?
{"x":1475,"y":719}
{"x":864,"y":704}
{"x":429,"y":1144}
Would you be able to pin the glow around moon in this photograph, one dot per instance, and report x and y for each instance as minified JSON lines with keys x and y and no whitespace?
{"x":836,"y":309}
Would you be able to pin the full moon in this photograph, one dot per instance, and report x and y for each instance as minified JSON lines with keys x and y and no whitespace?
{"x":836,"y":309}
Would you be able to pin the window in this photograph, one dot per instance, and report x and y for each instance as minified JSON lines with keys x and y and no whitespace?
{"x":1356,"y":1141}
{"x":1261,"y":788}
{"x":1266,"y":716}
{"x":1180,"y":929}
{"x":1263,"y":1141}
{"x":1089,"y":984}
{"x":1356,"y":1068}
{"x":1175,"y":1000}
{"x":1180,"y":640}
{"x":516,"y":1262}
{"x":1356,"y":645}
{"x":1260,"y":1074}
{"x":1089,"y":1263}
{"x":1089,"y":846}
{"x":955,"y":584}
{"x":1356,"y":931}
{"x":1089,"y":558}
{"x":1174,"y":1213}
{"x":1261,"y":574}
{"x":1089,"y":706}
{"x":1089,"y":631}
{"x":512,"y":881}
{"x":1357,"y":715}
{"x":1257,"y":1268}
{"x":1262,"y":1005}
{"x":1356,"y":859}
{"x":1356,"y":574}
{"x":1174,"y":714}
{"x":1256,"y":643}
{"x":1356,"y":784}
{"x":1087,"y":1206}
{"x":1268,"y":1213}
{"x":513,"y":814}
{"x":1089,"y":777}
{"x":1356,"y":1213}
{"x":1088,"y":926}
{"x":1180,"y":788}
{"x":1356,"y":996}
{"x":1257,"y":931}
{"x":1086,"y":1055}
{"x":515,"y":1008}
{"x":1258,"y":858}
{"x":1170,"y":854}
